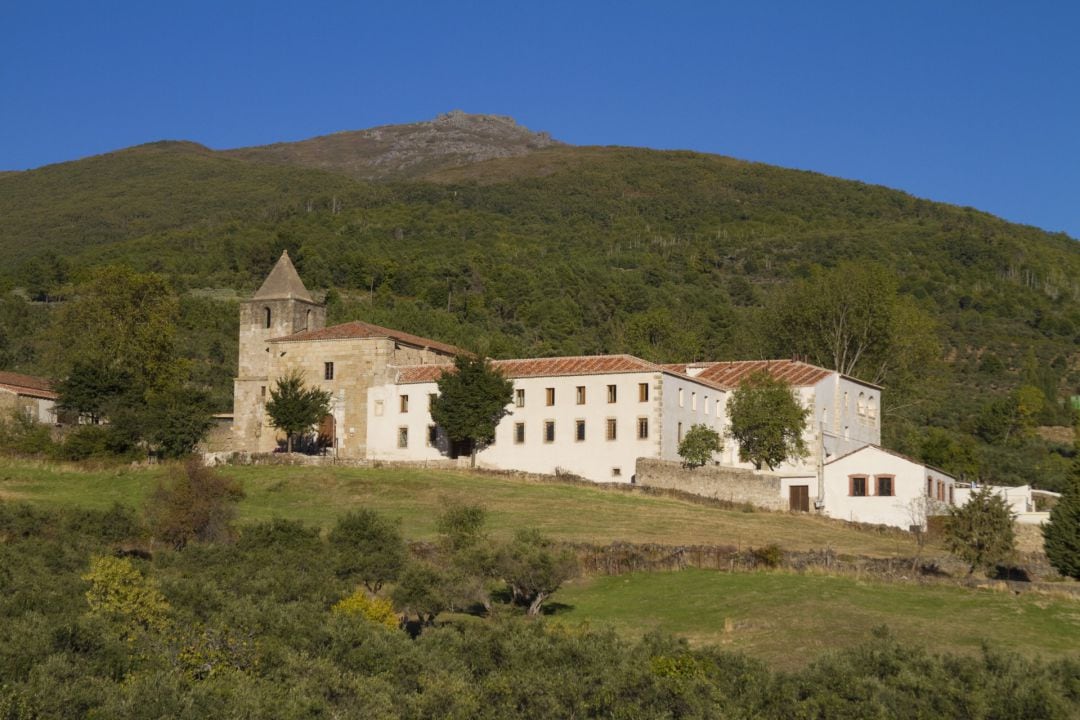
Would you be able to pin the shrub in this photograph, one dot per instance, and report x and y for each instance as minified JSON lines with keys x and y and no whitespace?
{"x":369,"y":547}
{"x":119,"y":590}
{"x":981,"y":532}
{"x":769,"y":556}
{"x":196,"y":504}
{"x":373,"y":609}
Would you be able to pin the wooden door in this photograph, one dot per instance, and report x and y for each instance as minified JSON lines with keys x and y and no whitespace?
{"x":799,"y":498}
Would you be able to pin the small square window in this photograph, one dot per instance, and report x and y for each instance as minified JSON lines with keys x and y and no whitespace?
{"x":611,"y":428}
{"x":403,"y":437}
{"x":549,"y":431}
{"x":643,"y":428}
{"x":519,"y":433}
{"x":643,"y":392}
{"x":612,"y":393}
{"x":550,"y":393}
{"x":579,"y":431}
{"x":616,"y":472}
{"x":858,"y":485}
{"x":580,"y":394}
{"x":404,"y":403}
{"x":328,"y":371}
{"x":519,"y":397}
{"x":884,"y":485}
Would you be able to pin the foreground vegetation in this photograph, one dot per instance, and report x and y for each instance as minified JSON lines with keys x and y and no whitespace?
{"x":92,"y":626}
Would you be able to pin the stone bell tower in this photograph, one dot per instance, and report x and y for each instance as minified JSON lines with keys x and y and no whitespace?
{"x":282,"y":306}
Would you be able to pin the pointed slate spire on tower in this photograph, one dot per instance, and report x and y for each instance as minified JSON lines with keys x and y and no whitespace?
{"x":283,"y":283}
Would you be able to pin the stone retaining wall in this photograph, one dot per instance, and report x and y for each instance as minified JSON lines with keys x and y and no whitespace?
{"x":732,"y":485}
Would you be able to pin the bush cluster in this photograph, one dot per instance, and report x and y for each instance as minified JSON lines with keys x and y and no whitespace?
{"x":250,"y":629}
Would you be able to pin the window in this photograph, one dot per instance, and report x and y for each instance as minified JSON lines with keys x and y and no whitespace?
{"x":403,"y":437}
{"x":611,"y":427}
{"x":612,"y":393}
{"x":550,"y":395}
{"x":680,"y":397}
{"x":693,"y":401}
{"x":549,"y":431}
{"x":952,"y":500}
{"x":679,"y":434}
{"x":884,"y":485}
{"x":432,"y":435}
{"x":431,"y":401}
{"x":616,"y":472}
{"x":519,"y":397}
{"x":404,"y":399}
{"x":871,"y":408}
{"x":929,"y":487}
{"x":643,"y":392}
{"x":705,"y":404}
{"x":857,"y":485}
{"x":580,"y":394}
{"x":643,"y":428}
{"x":378,"y":408}
{"x":328,"y":371}
{"x":262,"y":391}
{"x":519,"y":433}
{"x":266,"y":317}
{"x":579,"y":431}
{"x":862,"y":404}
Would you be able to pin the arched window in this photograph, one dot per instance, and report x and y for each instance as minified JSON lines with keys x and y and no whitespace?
{"x":872,"y":408}
{"x":862,"y":404}
{"x":266,"y":317}
{"x":825,"y":417}
{"x":307,"y":320}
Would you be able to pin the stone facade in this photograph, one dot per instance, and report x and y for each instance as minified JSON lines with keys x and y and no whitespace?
{"x":734,"y":485}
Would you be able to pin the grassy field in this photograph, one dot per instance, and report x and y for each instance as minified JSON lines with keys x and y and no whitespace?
{"x":569,"y":512}
{"x":789,"y":619}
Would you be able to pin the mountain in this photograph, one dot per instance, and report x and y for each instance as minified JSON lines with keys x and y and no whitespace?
{"x":407,"y":151}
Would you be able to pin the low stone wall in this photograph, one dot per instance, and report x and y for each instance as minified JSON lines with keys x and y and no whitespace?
{"x":732,"y":485}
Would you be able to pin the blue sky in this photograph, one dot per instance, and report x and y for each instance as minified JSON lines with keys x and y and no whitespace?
{"x":973,"y":103}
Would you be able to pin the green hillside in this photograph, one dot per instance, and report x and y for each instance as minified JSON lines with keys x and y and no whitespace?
{"x":668,"y":255}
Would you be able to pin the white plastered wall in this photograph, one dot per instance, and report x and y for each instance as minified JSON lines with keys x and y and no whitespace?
{"x":899,"y":510}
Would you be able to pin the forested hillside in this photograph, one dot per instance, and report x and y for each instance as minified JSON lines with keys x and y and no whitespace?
{"x":669,"y":255}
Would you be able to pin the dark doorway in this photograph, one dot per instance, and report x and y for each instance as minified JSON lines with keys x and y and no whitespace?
{"x":460,"y":448}
{"x":799,"y":498}
{"x":327,"y":432}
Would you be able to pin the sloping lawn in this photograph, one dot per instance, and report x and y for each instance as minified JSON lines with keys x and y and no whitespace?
{"x":321,"y":494}
{"x":789,"y":619}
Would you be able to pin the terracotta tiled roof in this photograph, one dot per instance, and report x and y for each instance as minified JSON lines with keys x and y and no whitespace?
{"x":27,"y":385}
{"x":283,"y":283}
{"x":540,"y":367}
{"x":360,"y":329}
{"x":728,"y":375}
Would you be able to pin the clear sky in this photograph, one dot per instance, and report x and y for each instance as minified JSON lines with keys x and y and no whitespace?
{"x":974,"y":103}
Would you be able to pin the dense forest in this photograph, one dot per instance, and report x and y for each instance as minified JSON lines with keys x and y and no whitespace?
{"x":673,"y":256}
